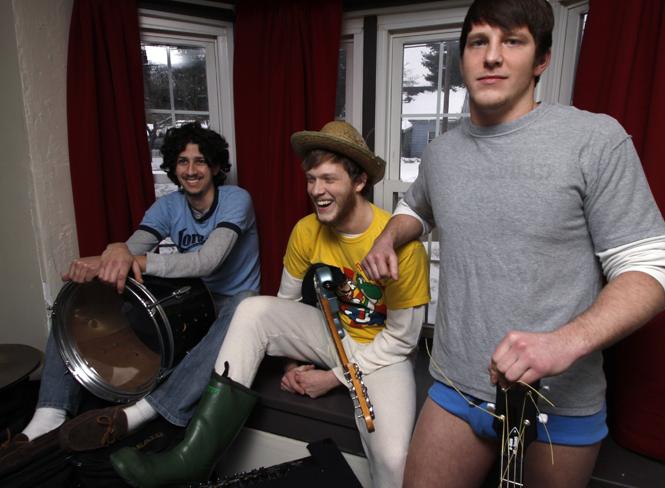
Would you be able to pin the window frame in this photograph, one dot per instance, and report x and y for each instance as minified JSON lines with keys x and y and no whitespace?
{"x":352,"y":41}
{"x":217,"y":36}
{"x":557,"y":82}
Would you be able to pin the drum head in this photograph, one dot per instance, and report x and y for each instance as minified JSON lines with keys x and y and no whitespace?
{"x":111,"y":342}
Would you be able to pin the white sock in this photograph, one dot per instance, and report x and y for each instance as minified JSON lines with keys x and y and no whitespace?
{"x":44,"y":421}
{"x":138,"y":414}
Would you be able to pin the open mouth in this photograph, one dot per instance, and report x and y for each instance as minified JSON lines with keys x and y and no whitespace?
{"x":324,"y":203}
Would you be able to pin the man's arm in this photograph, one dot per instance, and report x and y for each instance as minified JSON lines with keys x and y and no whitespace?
{"x":381,"y":262}
{"x":200,"y":263}
{"x":112,"y":267}
{"x":625,"y":304}
{"x":86,"y":269}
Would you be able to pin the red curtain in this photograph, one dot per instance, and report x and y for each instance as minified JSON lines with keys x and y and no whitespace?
{"x":108,"y":146}
{"x":620,"y":73}
{"x":285,"y":77}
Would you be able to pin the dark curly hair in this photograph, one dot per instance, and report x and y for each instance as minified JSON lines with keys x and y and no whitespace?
{"x":213,"y":146}
{"x":535,"y":15}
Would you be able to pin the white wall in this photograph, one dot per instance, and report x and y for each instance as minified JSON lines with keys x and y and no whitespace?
{"x":38,"y":231}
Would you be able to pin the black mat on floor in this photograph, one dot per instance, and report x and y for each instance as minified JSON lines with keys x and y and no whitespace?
{"x":325,"y":468}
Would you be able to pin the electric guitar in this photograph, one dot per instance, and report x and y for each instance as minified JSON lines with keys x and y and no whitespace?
{"x":515,"y":420}
{"x":325,"y":292}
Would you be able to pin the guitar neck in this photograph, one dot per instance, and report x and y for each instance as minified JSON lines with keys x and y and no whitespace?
{"x":353,"y":375}
{"x":333,"y":330}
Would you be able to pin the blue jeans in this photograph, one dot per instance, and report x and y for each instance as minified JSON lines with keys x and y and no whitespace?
{"x":176,"y":397}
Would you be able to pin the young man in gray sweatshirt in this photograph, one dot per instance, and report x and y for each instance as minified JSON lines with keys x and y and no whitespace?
{"x":533,"y":202}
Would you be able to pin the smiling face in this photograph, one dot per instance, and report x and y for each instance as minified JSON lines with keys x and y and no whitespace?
{"x":196,"y":177}
{"x":334,"y":194}
{"x":499,"y":69}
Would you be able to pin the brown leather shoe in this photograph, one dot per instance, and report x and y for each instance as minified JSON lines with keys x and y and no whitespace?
{"x":18,"y":448}
{"x":94,"y":429}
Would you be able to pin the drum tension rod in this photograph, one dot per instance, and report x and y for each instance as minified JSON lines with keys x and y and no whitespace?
{"x":176,"y":294}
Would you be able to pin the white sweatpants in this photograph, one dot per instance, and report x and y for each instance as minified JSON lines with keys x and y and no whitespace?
{"x":279,"y":327}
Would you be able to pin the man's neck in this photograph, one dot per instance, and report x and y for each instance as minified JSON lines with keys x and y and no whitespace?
{"x":201,"y":203}
{"x":359,"y":220}
{"x":483,"y":117}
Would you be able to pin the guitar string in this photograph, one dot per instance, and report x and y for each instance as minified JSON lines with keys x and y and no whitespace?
{"x":506,"y":430}
{"x":549,"y":439}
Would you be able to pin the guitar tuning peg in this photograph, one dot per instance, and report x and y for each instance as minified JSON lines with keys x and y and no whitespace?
{"x":491,"y":408}
{"x":543,"y":418}
{"x":545,"y":388}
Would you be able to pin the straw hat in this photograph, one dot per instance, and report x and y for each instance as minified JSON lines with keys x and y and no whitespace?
{"x":343,"y":138}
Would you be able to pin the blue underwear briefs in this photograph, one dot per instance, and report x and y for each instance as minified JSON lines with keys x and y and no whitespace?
{"x":570,"y":431}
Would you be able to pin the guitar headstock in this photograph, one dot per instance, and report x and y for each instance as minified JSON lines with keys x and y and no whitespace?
{"x":515,"y":423}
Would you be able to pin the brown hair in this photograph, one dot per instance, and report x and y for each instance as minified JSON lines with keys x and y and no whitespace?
{"x":317,"y":157}
{"x":535,"y":15}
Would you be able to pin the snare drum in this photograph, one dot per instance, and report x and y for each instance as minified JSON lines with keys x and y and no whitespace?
{"x":119,"y":346}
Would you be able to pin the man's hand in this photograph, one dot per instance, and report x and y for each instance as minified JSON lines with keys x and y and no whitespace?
{"x":317,"y":382}
{"x":83,"y":269}
{"x":530,"y":356}
{"x":381,"y":262}
{"x":289,"y":382}
{"x":117,"y":260}
{"x":306,"y":380}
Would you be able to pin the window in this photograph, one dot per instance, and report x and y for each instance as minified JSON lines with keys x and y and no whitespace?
{"x":433,"y":97}
{"x":176,"y":92}
{"x":419,"y":91}
{"x":187,"y":77}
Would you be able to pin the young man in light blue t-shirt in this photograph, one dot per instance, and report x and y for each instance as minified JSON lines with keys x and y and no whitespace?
{"x":214,"y":229}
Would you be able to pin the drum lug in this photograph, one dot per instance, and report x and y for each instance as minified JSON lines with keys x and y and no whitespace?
{"x":176,"y":294}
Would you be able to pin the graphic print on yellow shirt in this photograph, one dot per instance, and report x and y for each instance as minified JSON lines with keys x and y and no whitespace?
{"x":359,"y":301}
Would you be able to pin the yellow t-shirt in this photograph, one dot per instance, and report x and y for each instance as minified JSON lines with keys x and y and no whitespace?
{"x":363,"y":304}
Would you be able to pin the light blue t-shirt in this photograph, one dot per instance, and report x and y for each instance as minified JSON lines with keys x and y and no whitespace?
{"x":232,"y":208}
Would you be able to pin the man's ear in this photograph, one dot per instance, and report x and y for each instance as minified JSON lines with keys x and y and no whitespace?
{"x":361,"y":182}
{"x":539,"y":68}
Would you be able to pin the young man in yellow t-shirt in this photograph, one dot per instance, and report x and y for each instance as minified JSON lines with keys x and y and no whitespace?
{"x":382,"y":319}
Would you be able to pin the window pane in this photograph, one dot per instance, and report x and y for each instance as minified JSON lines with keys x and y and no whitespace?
{"x":418,"y":86}
{"x":204,"y":120}
{"x":190,"y":89}
{"x":156,"y":77}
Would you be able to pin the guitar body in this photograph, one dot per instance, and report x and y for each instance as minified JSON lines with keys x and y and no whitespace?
{"x":325,"y":291}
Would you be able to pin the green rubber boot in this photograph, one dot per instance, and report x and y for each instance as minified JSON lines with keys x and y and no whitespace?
{"x":222,"y":411}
